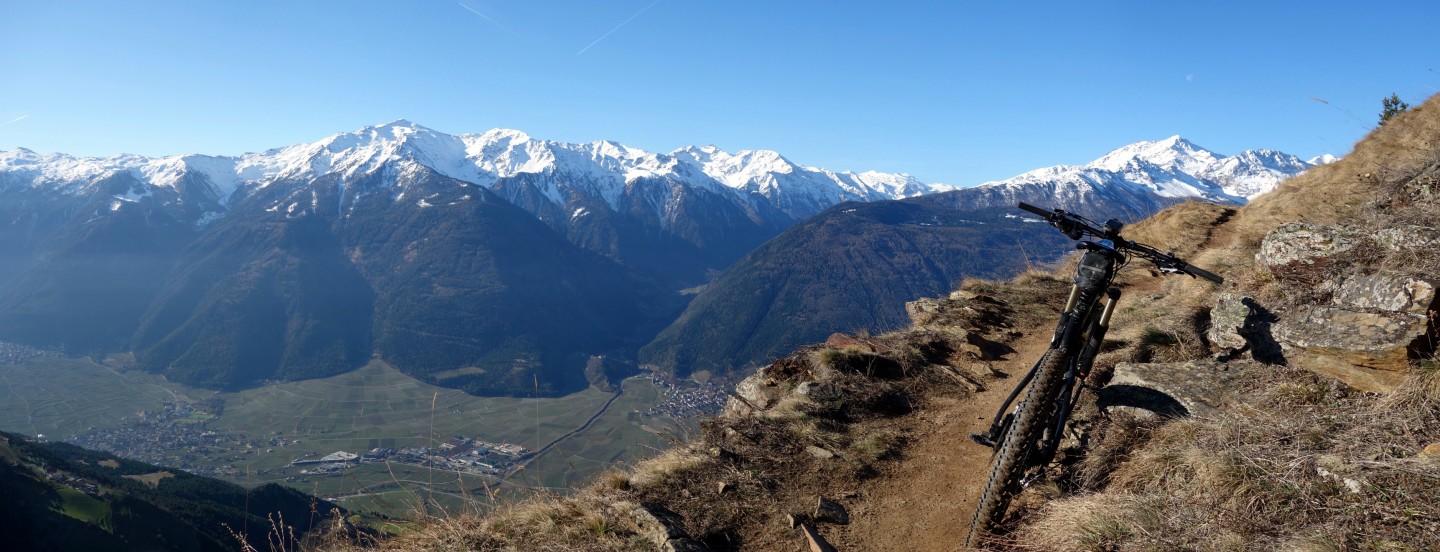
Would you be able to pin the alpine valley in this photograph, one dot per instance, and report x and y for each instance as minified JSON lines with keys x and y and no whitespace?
{"x":499,"y":264}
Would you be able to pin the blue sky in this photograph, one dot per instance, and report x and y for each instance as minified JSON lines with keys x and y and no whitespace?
{"x":953,"y":92}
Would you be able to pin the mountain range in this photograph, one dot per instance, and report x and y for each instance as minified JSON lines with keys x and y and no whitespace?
{"x":494,"y":262}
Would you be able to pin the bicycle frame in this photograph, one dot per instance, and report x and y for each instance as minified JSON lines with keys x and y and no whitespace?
{"x":1082,"y":328}
{"x":1026,"y":436}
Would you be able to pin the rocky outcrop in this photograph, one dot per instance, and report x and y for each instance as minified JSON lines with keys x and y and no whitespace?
{"x":755,"y":393}
{"x":1173,"y":389}
{"x":1302,"y":243}
{"x":1240,"y":326}
{"x":1366,"y":350}
{"x":1372,"y":322}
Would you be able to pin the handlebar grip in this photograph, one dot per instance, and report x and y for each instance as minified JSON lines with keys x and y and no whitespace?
{"x":1033,"y":209}
{"x":1197,"y":271}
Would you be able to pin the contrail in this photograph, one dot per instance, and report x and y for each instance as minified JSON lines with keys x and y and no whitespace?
{"x":16,"y":120}
{"x":617,"y":27}
{"x":490,"y":19}
{"x":477,"y":12}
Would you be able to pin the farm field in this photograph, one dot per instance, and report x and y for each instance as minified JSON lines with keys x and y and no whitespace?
{"x":260,"y":431}
{"x":63,"y":397}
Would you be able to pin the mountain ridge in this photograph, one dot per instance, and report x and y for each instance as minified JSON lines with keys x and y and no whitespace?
{"x":309,"y":239}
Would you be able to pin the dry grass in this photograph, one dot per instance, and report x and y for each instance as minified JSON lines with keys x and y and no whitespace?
{"x":1302,"y":463}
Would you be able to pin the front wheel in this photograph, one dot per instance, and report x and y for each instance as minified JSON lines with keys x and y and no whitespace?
{"x":1016,"y":446}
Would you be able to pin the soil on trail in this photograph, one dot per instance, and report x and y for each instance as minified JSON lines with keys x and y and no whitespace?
{"x":925,"y":501}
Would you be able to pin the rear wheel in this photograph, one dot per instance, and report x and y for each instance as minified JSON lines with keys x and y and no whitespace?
{"x":1016,"y":446}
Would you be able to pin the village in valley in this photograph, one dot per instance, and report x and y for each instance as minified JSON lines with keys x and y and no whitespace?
{"x":459,"y":454}
{"x":178,"y":435}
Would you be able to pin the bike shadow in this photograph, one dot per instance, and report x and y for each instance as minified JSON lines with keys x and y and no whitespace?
{"x":1141,"y":398}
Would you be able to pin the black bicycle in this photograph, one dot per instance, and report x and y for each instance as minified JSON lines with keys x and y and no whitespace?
{"x":1026,"y":438}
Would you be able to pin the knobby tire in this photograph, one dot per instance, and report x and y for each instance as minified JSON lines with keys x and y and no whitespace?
{"x":1015,"y":447}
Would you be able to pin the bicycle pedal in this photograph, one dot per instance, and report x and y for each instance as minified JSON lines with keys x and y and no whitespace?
{"x":982,"y":439}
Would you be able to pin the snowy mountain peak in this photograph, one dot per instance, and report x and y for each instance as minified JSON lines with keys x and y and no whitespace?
{"x":1172,"y":168}
{"x":1173,"y":153}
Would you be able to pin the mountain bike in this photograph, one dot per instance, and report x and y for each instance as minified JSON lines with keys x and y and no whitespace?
{"x":1026,"y":438}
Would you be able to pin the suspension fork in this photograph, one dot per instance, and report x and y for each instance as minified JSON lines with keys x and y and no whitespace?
{"x":1075,"y":375}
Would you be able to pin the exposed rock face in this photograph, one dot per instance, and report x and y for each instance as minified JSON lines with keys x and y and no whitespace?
{"x":1373,"y":323}
{"x":754,"y":393}
{"x":1368,"y":351}
{"x":1408,"y":237}
{"x":1388,"y":292}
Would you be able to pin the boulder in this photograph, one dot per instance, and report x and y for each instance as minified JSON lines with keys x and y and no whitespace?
{"x":754,"y":393}
{"x":1302,"y":243}
{"x":1389,"y":292}
{"x":922,"y":311}
{"x":1226,"y":320}
{"x":1365,"y":350}
{"x":1173,"y":389}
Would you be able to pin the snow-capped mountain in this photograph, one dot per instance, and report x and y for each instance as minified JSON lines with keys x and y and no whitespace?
{"x":568,"y":177}
{"x":1153,"y":174}
{"x":439,"y":251}
{"x":599,"y":170}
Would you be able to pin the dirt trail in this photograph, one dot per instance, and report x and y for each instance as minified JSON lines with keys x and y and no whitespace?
{"x":925,"y":503}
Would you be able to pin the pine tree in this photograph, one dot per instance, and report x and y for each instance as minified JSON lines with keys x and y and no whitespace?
{"x":1392,"y":107}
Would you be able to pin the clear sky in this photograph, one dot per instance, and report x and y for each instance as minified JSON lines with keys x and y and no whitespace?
{"x":953,"y":92}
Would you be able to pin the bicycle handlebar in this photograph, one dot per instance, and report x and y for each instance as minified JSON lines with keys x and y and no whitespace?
{"x":1076,"y":227}
{"x":1036,"y":210}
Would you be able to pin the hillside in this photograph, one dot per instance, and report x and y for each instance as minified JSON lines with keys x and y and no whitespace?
{"x":62,"y":497}
{"x":860,"y":440}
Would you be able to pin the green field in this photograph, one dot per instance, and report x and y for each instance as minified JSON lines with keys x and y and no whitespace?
{"x":64,"y":397}
{"x":370,"y":407}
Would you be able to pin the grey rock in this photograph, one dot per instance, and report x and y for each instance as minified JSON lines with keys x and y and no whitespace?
{"x":922,"y":311}
{"x":754,"y":393}
{"x":1173,"y":389}
{"x":654,"y":521}
{"x":1408,"y":237}
{"x":819,"y":391}
{"x":1226,"y":319}
{"x":1387,"y":292}
{"x":1305,"y":243}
